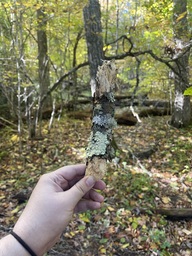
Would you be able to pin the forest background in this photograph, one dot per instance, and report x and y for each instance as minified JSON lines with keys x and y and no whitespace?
{"x":47,"y":62}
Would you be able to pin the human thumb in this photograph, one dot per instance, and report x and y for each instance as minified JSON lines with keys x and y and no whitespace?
{"x":81,"y":188}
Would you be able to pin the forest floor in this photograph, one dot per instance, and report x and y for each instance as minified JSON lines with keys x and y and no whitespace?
{"x":152,"y":170}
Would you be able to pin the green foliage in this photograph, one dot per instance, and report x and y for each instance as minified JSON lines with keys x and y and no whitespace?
{"x":3,"y":154}
{"x":159,"y":237}
{"x":64,"y":21}
{"x":188,"y":91}
{"x":147,"y":23}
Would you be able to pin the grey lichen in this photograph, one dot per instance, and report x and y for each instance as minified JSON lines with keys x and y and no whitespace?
{"x":106,"y":121}
{"x":110,"y":96}
{"x":112,"y":123}
{"x":99,"y":120}
{"x":98,"y":107}
{"x":97,"y":144}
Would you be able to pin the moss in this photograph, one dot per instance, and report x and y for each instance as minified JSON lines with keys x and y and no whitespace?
{"x":97,"y":145}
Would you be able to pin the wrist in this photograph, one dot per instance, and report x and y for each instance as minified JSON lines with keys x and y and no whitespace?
{"x":29,"y":236}
{"x":10,"y":246}
{"x":23,"y":243}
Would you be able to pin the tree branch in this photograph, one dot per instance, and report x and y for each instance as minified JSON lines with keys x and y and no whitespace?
{"x":135,"y":54}
{"x":128,"y":53}
{"x":58,"y":82}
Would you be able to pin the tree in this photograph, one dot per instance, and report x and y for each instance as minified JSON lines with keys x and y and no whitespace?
{"x":102,"y":84}
{"x":131,"y":29}
{"x":94,"y":39}
{"x":182,"y":107}
{"x":43,"y":58}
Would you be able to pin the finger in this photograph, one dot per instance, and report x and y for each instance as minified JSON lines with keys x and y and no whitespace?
{"x":85,"y":205}
{"x":71,"y":171}
{"x":94,"y":195}
{"x":100,"y":185}
{"x":80,"y":189}
{"x":67,"y":176}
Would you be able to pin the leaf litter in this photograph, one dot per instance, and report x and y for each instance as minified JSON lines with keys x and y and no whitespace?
{"x":152,"y":169}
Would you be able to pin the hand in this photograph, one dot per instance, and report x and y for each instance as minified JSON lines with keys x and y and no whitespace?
{"x":55,"y":198}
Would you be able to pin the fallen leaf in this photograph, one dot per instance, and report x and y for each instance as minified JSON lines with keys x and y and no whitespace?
{"x":187,"y":232}
{"x":166,"y":200}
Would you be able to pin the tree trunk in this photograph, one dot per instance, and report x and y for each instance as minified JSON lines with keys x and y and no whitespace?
{"x":74,"y":74}
{"x":93,"y":30}
{"x":44,"y":78}
{"x":181,"y":115}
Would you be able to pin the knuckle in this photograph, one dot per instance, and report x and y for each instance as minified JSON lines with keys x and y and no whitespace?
{"x":80,"y":188}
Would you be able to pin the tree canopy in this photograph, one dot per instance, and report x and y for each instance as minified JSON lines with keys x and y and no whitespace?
{"x":138,"y":34}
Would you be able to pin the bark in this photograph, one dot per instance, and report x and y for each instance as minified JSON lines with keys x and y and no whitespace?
{"x":126,"y":119}
{"x":44,"y":78}
{"x":99,"y":149}
{"x":171,"y":213}
{"x":74,"y":74}
{"x":175,"y":213}
{"x":93,"y":32}
{"x":182,"y":108}
{"x":138,"y":101}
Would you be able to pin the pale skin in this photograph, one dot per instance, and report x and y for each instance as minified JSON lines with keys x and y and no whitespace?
{"x":50,"y":208}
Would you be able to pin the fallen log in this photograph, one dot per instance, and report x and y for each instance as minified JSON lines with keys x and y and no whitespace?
{"x":121,"y":119}
{"x":124,"y":118}
{"x":127,"y":102}
{"x":79,"y":114}
{"x":169,"y":213}
{"x":146,"y":153}
{"x":154,"y":111}
{"x":175,"y":213}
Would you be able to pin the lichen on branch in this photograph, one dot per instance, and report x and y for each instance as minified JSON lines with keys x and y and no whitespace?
{"x":99,"y":148}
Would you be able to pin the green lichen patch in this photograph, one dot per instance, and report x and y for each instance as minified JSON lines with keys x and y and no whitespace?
{"x":97,"y":145}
